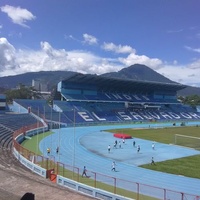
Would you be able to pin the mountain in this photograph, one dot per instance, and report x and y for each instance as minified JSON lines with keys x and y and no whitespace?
{"x":138,"y":72}
{"x":144,"y":73}
{"x":51,"y":78}
{"x":189,"y":90}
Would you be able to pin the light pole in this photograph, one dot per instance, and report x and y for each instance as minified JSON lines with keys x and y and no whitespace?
{"x":37,"y":145}
{"x":43,"y":131}
{"x":59,"y":139}
{"x":51,"y":123}
{"x":74,"y":141}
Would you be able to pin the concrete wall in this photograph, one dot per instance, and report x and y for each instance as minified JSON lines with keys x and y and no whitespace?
{"x":30,"y":165}
{"x":87,"y":190}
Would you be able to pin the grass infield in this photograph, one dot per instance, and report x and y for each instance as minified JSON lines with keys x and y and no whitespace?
{"x":181,"y":166}
{"x":32,"y":144}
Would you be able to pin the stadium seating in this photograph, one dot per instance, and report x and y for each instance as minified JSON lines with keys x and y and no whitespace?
{"x":5,"y":137}
{"x":16,"y":121}
{"x":10,"y":123}
{"x":70,"y":112}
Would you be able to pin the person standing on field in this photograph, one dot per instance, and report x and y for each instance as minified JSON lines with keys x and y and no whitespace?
{"x":119,"y":144}
{"x":84,"y":172}
{"x":138,"y":148}
{"x":48,"y":151}
{"x":57,"y":150}
{"x":113,"y":166}
{"x":108,"y":148}
{"x":152,"y":161}
{"x":123,"y":141}
{"x":153,"y":146}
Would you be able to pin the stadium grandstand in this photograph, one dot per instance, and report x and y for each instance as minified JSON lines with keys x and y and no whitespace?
{"x":88,"y":100}
{"x":12,"y":121}
{"x":95,"y":99}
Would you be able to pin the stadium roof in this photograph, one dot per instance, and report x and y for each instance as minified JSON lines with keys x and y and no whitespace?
{"x":125,"y":85}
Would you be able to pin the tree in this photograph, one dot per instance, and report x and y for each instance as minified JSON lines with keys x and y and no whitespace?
{"x":22,"y":92}
{"x":192,"y":100}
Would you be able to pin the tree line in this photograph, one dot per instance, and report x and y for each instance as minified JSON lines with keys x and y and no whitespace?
{"x":21,"y":92}
{"x":192,"y":100}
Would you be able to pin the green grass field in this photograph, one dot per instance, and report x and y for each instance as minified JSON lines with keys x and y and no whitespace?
{"x":180,"y":166}
{"x":33,"y":143}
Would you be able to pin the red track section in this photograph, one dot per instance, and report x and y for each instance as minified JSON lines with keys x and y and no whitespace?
{"x":122,"y":135}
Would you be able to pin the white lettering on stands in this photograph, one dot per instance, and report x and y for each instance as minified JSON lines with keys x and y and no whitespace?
{"x":117,"y":96}
{"x":100,"y":119}
{"x":165,"y":115}
{"x":124,"y":116}
{"x":185,"y":115}
{"x":136,"y":116}
{"x":107,"y":95}
{"x":145,"y":97}
{"x":136,"y":97}
{"x":154,"y":115}
{"x":195,"y":115}
{"x":85,"y":116}
{"x":127,"y":97}
{"x":174,"y":115}
{"x":146,"y":116}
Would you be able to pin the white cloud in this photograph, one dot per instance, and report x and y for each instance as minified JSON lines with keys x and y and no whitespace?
{"x":14,"y":34}
{"x":50,"y":59}
{"x":85,"y":62}
{"x":47,"y":58}
{"x":89,"y":39}
{"x":132,"y":59}
{"x":53,"y":53}
{"x":194,"y":65}
{"x":193,"y":49}
{"x":18,"y":15}
{"x":7,"y":56}
{"x":117,"y":48}
{"x":175,"y":31}
{"x":185,"y":74}
{"x":71,"y":37}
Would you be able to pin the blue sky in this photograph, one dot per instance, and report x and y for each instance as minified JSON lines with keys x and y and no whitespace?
{"x":100,"y":36}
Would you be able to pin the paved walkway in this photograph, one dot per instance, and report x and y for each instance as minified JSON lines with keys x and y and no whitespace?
{"x":88,"y":146}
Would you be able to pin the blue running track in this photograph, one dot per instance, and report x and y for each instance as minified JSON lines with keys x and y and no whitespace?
{"x":87,"y":146}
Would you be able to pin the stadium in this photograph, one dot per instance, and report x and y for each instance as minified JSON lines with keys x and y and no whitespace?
{"x":75,"y":128}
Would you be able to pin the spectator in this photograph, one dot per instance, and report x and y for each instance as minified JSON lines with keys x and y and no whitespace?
{"x":84,"y":172}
